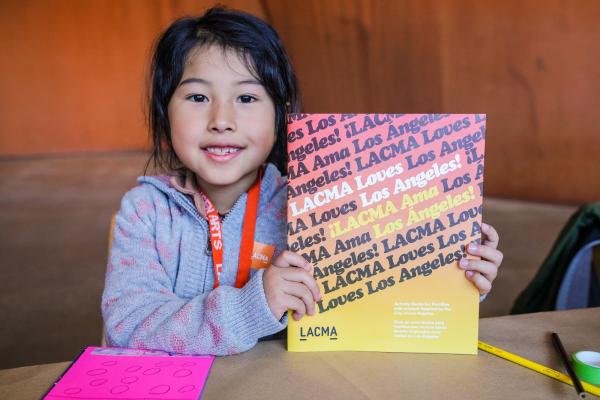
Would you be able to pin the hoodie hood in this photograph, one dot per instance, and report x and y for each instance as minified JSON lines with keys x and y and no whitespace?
{"x":176,"y":185}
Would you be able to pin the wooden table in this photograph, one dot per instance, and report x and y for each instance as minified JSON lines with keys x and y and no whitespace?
{"x":269,"y":372}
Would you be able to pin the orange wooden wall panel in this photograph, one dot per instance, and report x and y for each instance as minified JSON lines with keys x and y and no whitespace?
{"x":73,"y":72}
{"x":532,"y":68}
{"x":73,"y":77}
{"x":363,"y":56}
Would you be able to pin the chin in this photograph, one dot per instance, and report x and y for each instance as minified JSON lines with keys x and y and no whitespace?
{"x":218,"y":178}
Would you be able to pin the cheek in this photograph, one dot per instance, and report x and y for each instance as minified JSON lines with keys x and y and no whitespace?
{"x":266,"y":121}
{"x":181,"y":126}
{"x":268,"y":136}
{"x":180,"y":135}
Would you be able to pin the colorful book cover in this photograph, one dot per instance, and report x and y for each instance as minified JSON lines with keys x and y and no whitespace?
{"x":112,"y":373}
{"x":383,"y":205}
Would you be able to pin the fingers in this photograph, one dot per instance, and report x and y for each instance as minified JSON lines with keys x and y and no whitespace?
{"x":295,"y":304}
{"x":300,"y":291}
{"x":300,"y":276}
{"x":486,"y":252}
{"x":291,"y":288}
{"x":291,"y":259}
{"x":279,"y":301}
{"x":481,"y":283}
{"x":483,"y":272}
{"x":485,"y":268}
{"x":491,"y":237}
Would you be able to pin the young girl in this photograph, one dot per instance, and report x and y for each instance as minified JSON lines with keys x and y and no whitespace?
{"x":179,"y":276}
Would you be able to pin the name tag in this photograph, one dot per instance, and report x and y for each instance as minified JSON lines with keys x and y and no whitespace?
{"x":261,"y":255}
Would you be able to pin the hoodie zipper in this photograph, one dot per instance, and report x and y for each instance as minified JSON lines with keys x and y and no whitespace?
{"x":182,"y":200}
{"x":208,"y":250}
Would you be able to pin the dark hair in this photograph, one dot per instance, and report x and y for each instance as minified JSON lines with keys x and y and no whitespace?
{"x":259,"y":47}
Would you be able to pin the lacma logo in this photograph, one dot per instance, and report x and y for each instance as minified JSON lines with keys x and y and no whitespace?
{"x":260,"y":257}
{"x":318,"y":331}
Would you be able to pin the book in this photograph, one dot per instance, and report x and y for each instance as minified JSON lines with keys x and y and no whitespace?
{"x":115,"y":373}
{"x":383,"y":205}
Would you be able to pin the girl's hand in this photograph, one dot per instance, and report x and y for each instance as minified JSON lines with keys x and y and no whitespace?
{"x":483,"y":272}
{"x":289,"y":285}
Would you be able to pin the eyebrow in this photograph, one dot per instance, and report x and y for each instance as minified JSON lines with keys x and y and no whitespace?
{"x":209,"y":83}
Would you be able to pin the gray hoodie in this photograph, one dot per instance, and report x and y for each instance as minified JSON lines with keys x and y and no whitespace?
{"x":159,"y":291}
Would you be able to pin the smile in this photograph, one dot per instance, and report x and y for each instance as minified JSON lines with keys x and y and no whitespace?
{"x":222,"y":153}
{"x":222,"y":150}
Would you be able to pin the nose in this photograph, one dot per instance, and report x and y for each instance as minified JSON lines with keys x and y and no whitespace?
{"x":222,"y":118}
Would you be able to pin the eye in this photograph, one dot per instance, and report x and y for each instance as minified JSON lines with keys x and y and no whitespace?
{"x":197,"y":98}
{"x":246,"y":98}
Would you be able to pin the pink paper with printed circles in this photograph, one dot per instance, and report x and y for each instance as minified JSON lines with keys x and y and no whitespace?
{"x":105,"y":373}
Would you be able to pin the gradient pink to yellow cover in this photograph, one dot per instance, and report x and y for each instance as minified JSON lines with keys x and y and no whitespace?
{"x":383,"y":205}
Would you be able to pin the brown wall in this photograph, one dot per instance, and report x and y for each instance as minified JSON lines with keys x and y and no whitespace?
{"x":73,"y":72}
{"x":74,"y":77}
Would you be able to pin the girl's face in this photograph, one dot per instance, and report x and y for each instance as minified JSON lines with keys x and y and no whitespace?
{"x":222,"y":119}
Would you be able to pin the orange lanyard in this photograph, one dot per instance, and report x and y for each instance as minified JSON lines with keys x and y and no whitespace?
{"x":216,"y":235}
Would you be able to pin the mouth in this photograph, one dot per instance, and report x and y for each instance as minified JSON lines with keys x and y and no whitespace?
{"x":222,"y":152}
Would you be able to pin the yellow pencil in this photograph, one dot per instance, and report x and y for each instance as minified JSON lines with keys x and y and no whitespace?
{"x":536,"y":367}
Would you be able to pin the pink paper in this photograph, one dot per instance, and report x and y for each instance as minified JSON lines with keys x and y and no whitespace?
{"x":111,"y":373}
